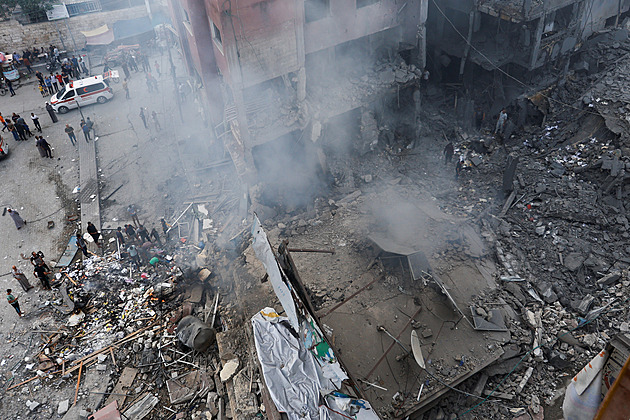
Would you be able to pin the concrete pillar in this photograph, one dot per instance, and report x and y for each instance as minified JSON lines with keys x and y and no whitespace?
{"x":422,"y":34}
{"x":301,"y":84}
{"x":471,"y":24}
{"x":537,"y":38}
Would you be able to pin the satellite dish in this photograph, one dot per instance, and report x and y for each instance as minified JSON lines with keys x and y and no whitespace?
{"x":417,"y":350}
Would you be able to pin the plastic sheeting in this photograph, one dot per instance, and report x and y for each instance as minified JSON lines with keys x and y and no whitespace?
{"x":298,"y":384}
{"x":264,"y":253}
{"x":289,"y":369}
{"x":584,"y":393}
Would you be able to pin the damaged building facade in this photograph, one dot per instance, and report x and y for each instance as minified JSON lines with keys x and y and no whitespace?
{"x":276,"y":71}
{"x":284,"y":81}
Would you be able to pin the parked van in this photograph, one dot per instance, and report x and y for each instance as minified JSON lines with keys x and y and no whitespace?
{"x":81,"y":92}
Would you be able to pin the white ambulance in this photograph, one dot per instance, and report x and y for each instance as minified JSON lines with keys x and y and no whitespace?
{"x":81,"y":92}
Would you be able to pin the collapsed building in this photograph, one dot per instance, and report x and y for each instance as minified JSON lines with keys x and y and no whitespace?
{"x":299,"y":91}
{"x":395,"y":291}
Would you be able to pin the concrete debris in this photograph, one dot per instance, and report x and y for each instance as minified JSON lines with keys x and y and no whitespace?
{"x":63,"y":407}
{"x":229,"y":369}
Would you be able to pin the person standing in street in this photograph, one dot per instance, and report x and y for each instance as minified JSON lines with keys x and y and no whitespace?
{"x":70,"y":132}
{"x":126,"y":70}
{"x":27,"y":129}
{"x":81,"y":244}
{"x":45,"y":146}
{"x":143,"y":118}
{"x":21,"y":278}
{"x":126,"y":88}
{"x":51,"y":112}
{"x":133,"y":212}
{"x":156,"y":121}
{"x":17,"y":219}
{"x":94,"y":233}
{"x":10,"y":86}
{"x":41,"y":271}
{"x":55,"y":82}
{"x":14,"y":302}
{"x":13,"y":130}
{"x":59,"y":79}
{"x":90,"y":126}
{"x":165,"y":228}
{"x":86,"y":131}
{"x":49,"y":86}
{"x":35,"y":120}
{"x":4,"y":123}
{"x":40,"y":77}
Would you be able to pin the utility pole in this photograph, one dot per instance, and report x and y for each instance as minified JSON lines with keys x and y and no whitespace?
{"x":71,"y":36}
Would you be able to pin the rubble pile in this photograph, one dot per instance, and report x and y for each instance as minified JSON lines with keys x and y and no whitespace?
{"x":117,"y":342}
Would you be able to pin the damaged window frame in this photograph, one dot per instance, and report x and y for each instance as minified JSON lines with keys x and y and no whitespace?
{"x":216,"y":36}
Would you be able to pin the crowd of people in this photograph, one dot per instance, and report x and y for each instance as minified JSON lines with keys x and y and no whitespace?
{"x":138,"y":243}
{"x":73,"y":68}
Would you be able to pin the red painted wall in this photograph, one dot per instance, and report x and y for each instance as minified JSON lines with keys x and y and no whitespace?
{"x":265,"y":35}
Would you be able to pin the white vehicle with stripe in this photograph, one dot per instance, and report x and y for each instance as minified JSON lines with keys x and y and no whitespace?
{"x":82,"y":92}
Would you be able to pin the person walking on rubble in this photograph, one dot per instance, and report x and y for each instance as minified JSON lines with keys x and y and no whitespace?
{"x":119,"y":236}
{"x":131,"y":232}
{"x":449,"y":151}
{"x":144,"y":235}
{"x":41,"y":271}
{"x":165,"y":227}
{"x":459,"y":166}
{"x":154,"y":234}
{"x":21,"y":278}
{"x":133,"y":254}
{"x":501,"y":123}
{"x":14,"y":302}
{"x":94,"y":233}
{"x":82,"y":245}
{"x":133,"y":212}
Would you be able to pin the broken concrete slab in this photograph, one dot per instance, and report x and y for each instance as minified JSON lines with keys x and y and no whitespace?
{"x":142,"y":408}
{"x":573,"y":261}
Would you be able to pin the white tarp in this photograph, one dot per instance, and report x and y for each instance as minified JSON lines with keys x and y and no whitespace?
{"x":584,"y":394}
{"x":265,"y":254}
{"x":295,"y":379}
{"x":289,"y":369}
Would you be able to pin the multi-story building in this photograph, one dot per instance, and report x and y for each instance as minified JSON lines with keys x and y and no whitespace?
{"x":290,"y":65}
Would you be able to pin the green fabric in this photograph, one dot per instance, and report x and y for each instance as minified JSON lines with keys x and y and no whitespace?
{"x":154,"y":260}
